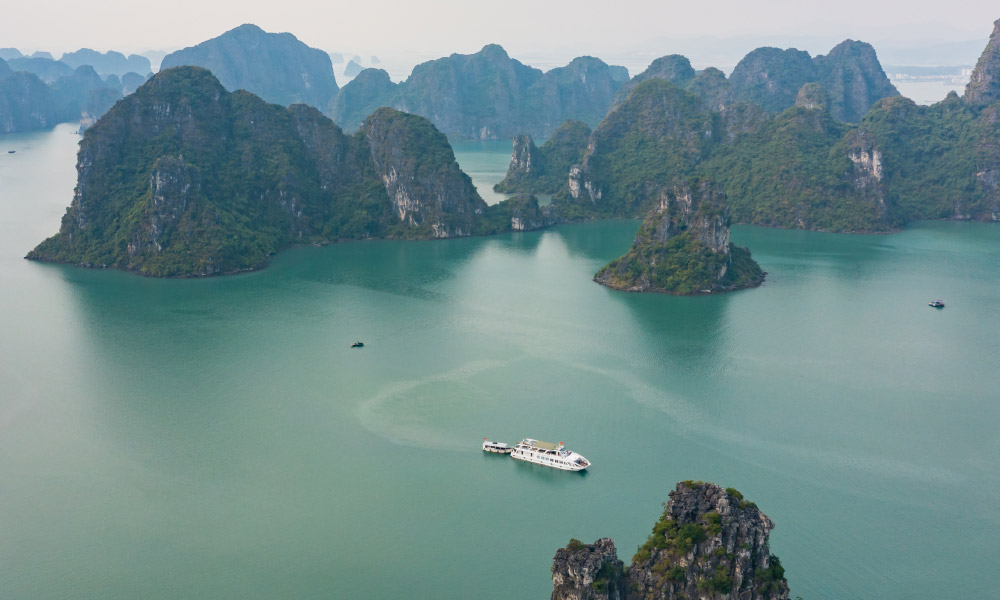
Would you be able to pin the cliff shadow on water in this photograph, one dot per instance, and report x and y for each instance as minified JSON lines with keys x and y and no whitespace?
{"x":601,"y":244}
{"x":688,"y":335}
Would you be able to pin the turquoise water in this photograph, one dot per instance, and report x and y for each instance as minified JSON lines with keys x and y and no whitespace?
{"x":486,"y":163}
{"x":217,"y":438}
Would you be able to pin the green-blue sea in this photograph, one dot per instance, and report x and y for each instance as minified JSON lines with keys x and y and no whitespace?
{"x":218,"y":438}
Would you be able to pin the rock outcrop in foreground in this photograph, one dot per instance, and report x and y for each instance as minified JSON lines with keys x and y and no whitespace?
{"x":709,"y":543}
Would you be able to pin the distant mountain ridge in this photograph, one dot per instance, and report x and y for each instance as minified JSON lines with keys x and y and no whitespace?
{"x":771,"y":78}
{"x":486,"y":95}
{"x":27,"y":102}
{"x":275,"y":66}
{"x":108,"y":63}
{"x":490,"y":95}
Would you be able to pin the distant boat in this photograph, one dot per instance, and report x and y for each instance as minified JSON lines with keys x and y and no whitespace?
{"x":358,"y":345}
{"x":936,"y":304}
{"x":11,"y":151}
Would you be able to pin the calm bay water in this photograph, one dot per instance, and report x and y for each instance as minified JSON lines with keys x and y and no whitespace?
{"x":218,"y":439}
{"x":486,"y":164}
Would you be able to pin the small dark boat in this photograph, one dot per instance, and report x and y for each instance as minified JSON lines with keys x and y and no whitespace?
{"x":936,"y":304}
{"x":11,"y":151}
{"x":358,"y":345}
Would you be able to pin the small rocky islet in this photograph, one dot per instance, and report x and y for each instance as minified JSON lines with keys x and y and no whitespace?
{"x":709,"y":543}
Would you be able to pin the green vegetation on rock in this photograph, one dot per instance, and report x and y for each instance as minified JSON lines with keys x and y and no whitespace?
{"x":185,"y":179}
{"x":681,"y":266}
{"x":802,"y":167}
{"x":544,"y":170}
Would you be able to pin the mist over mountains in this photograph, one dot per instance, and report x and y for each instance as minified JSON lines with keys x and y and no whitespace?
{"x":483,"y":95}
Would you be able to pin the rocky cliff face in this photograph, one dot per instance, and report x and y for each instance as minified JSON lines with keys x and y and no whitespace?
{"x":525,"y":214}
{"x":709,"y":543}
{"x":526,"y":165}
{"x":275,"y":66}
{"x":544,"y":170}
{"x":659,"y":134}
{"x":850,"y":72}
{"x":428,"y":193}
{"x":185,"y":179}
{"x":771,"y":77}
{"x":700,"y":212}
{"x":987,"y":206}
{"x":683,"y":247}
{"x":674,"y":68}
{"x":588,"y":572}
{"x":712,"y":87}
{"x":813,"y":96}
{"x":174,"y":186}
{"x":868,"y":173}
{"x":470,"y":96}
{"x":854,"y":78}
{"x":984,"y":85}
{"x":580,"y":91}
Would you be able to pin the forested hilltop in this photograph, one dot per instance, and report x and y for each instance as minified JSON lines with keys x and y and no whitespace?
{"x":183,"y":178}
{"x":802,"y":167}
{"x":798,"y":168}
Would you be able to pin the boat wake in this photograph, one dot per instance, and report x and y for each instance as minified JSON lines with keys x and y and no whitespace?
{"x":413,"y":413}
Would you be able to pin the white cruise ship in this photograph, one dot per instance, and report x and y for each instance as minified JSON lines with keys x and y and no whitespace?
{"x":549,"y":455}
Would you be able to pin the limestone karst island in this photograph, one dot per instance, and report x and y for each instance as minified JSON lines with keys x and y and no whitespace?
{"x":535,"y":300}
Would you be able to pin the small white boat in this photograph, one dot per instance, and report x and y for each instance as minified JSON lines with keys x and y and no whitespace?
{"x":549,"y":455}
{"x":496,"y":447}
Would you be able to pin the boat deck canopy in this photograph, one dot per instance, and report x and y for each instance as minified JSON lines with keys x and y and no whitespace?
{"x":546,"y":445}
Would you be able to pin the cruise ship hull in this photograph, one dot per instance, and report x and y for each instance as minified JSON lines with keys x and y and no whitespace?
{"x":556,"y":458}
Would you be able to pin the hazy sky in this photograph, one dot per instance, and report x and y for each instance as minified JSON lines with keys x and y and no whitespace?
{"x":438,"y":27}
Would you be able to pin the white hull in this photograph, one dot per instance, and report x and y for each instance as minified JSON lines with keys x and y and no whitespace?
{"x":548,"y":455}
{"x":496,"y":447}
